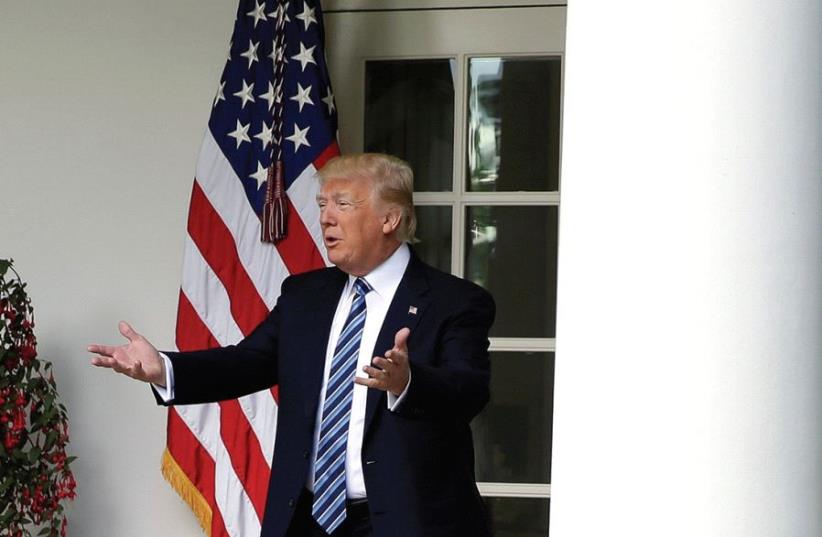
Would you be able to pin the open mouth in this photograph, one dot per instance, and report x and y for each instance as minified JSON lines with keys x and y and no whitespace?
{"x":330,"y":242}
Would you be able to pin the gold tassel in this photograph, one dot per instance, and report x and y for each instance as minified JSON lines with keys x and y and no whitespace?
{"x":180,"y":482}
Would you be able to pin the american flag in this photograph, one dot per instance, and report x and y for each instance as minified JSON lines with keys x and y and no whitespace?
{"x":218,"y":456}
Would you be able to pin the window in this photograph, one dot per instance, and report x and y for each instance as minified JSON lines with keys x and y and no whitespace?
{"x":483,"y":136}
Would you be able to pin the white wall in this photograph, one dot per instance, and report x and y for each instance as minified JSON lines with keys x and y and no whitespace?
{"x":689,"y":353}
{"x":102,"y":109}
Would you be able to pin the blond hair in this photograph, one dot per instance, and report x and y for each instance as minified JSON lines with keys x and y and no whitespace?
{"x":392,"y":180}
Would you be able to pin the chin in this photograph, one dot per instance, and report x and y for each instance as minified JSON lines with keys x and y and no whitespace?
{"x":337,"y":259}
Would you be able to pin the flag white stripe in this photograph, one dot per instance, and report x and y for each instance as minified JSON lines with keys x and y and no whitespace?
{"x":207,"y":295}
{"x":229,"y":493}
{"x":259,"y":408}
{"x":303,"y":195}
{"x":225,"y":192}
{"x":261,"y":411}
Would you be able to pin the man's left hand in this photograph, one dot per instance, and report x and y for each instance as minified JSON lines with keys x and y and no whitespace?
{"x":392,"y":371}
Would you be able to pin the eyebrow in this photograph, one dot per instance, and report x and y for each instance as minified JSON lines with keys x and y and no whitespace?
{"x":335,"y":196}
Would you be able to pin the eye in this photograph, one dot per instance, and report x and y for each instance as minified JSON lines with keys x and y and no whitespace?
{"x":344,"y":205}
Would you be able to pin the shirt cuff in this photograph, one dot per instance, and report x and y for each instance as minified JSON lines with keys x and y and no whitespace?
{"x":394,"y":401}
{"x":166,"y":393}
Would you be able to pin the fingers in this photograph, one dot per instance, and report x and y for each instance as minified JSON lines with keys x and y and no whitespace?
{"x":379,"y":374}
{"x":134,"y":370}
{"x":371,"y":383}
{"x":137,"y":371}
{"x":128,"y":332}
{"x":104,"y":361}
{"x":104,"y":350}
{"x":401,"y":339}
{"x":109,"y":363}
{"x":377,"y":378}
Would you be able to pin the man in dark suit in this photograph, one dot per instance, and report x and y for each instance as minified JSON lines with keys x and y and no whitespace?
{"x":389,"y":454}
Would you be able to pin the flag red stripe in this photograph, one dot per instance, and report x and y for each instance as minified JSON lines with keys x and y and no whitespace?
{"x":187,"y":451}
{"x":214,"y":240}
{"x":246,"y":454}
{"x":299,"y":251}
{"x":328,"y":153}
{"x":242,"y":444}
{"x":197,"y":464}
{"x":188,"y":340}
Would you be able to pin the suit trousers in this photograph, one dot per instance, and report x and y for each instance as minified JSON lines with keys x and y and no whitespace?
{"x":357,"y":520}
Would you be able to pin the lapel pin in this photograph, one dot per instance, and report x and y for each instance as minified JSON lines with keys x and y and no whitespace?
{"x":412,"y":310}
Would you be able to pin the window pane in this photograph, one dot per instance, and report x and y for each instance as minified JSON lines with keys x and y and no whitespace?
{"x":409,"y":112}
{"x":519,"y":517}
{"x":513,"y":124}
{"x":512,"y":252}
{"x":434,"y":233}
{"x":512,"y":435}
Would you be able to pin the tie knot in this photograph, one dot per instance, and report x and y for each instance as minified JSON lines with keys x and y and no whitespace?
{"x":361,"y":287}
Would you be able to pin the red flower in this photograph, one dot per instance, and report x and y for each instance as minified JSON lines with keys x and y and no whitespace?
{"x":28,"y":353}
{"x":10,"y":441}
{"x":19,"y":421}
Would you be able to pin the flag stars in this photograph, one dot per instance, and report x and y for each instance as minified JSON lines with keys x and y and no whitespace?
{"x":245,"y":94}
{"x":220,"y":94}
{"x":257,"y":14}
{"x":329,"y":101}
{"x":302,"y":96}
{"x":307,"y":16}
{"x":260,"y":175}
{"x":269,"y":96}
{"x":299,"y":138}
{"x":251,"y":53}
{"x":240,"y":133}
{"x":264,"y":135}
{"x":305,"y":56}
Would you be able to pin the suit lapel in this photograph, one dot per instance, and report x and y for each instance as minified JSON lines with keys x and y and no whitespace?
{"x":320,"y":314}
{"x":406,"y":309}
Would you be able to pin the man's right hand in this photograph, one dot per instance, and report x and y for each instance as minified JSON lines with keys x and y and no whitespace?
{"x":138,"y":359}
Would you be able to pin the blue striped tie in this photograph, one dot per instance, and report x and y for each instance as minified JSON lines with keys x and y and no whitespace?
{"x":329,"y":466}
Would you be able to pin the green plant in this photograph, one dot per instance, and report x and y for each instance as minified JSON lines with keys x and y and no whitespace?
{"x":35,"y":477}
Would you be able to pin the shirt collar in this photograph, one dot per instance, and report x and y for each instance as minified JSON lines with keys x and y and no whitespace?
{"x":386,"y":277}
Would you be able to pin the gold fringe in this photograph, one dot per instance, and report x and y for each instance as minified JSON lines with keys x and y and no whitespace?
{"x":180,"y":482}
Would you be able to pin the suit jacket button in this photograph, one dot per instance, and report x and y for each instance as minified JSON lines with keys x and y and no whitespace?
{"x":291,"y":502}
{"x":306,"y":453}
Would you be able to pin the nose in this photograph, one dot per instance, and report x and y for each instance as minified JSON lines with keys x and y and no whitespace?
{"x":327,"y":217}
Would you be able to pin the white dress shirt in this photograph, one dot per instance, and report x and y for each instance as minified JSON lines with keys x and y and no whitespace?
{"x":384,"y":281}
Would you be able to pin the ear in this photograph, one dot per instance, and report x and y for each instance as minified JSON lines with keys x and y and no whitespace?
{"x":391,"y":220}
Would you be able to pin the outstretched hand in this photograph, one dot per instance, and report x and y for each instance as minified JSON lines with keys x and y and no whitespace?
{"x":392,"y":371}
{"x":138,"y":359}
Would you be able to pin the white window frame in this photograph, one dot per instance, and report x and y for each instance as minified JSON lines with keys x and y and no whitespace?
{"x":459,"y":199}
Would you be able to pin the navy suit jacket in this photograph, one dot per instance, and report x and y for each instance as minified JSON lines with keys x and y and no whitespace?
{"x":418,"y":462}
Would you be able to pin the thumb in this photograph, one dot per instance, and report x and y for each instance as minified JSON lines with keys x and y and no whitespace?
{"x":401,"y":339}
{"x":128,"y":332}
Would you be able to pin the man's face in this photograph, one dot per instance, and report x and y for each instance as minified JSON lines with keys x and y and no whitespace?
{"x":355,"y":227}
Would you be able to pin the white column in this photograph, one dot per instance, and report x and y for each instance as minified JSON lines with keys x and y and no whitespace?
{"x":689,"y":342}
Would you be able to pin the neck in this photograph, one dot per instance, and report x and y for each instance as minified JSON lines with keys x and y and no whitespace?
{"x":384,"y":252}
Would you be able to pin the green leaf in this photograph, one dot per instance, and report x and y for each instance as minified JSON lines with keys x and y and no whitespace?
{"x":34,"y":454}
{"x":5,"y":517}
